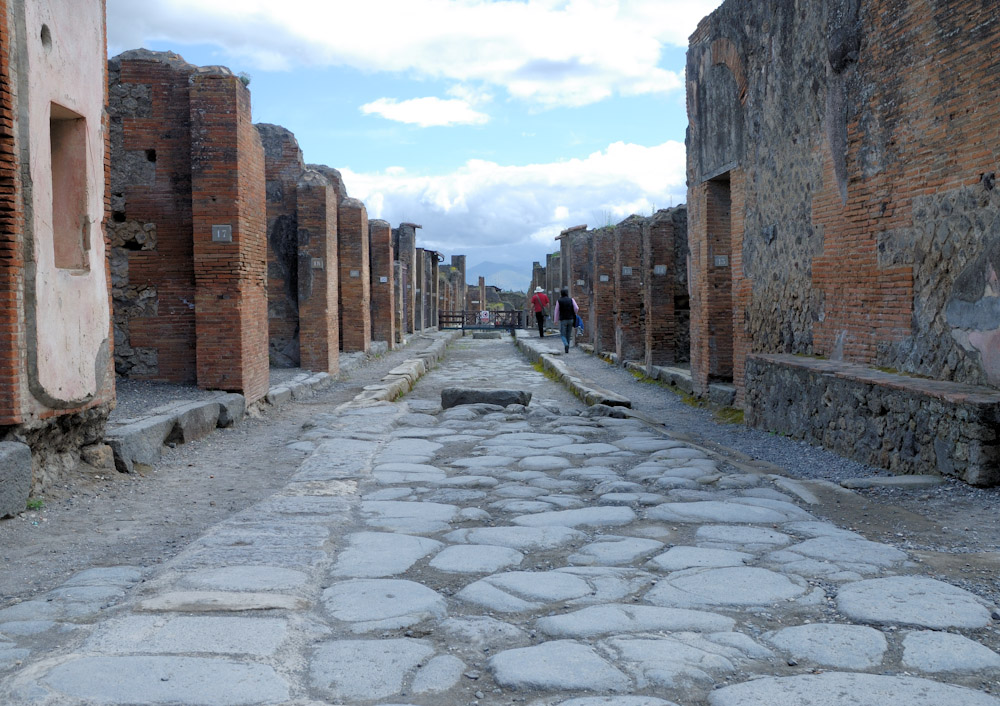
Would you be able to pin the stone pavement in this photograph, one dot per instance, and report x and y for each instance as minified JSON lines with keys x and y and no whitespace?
{"x":480,"y":555}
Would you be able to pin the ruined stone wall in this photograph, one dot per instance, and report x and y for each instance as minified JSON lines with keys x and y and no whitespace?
{"x":317,"y":298}
{"x":355,"y":277}
{"x":861,"y":181}
{"x":404,"y":246}
{"x":284,"y":167}
{"x":382,"y":283}
{"x":629,"y":281}
{"x":602,"y":314}
{"x":227,"y":188}
{"x":581,"y":276}
{"x":664,"y":270}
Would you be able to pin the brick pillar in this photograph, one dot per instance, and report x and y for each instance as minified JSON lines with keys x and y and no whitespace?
{"x":458,"y":262}
{"x":318,"y":299}
{"x":355,"y":281}
{"x":602,"y":321}
{"x":434,"y":299}
{"x":227,"y":184}
{"x":382,"y":286}
{"x":581,"y":275}
{"x":283,"y":166}
{"x":664,"y":245}
{"x":399,"y":275}
{"x":405,"y":245}
{"x":482,"y":294}
{"x":629,"y":316}
{"x":419,"y":286}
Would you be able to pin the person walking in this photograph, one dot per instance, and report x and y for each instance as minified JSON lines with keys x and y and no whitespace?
{"x":539,"y":302}
{"x":564,"y":313}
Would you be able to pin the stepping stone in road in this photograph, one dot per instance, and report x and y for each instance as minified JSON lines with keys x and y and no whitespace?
{"x":476,"y":558}
{"x":622,"y":619}
{"x":843,"y":646}
{"x":931,"y":651}
{"x":526,"y":539}
{"x":715,"y":511}
{"x":382,"y":604}
{"x":600,"y":516}
{"x":614,"y":551}
{"x":379,"y":554}
{"x":837,"y":689}
{"x":366,"y":669}
{"x":912,"y":600}
{"x":681,"y":557}
{"x":557,"y":665}
{"x":734,"y":587}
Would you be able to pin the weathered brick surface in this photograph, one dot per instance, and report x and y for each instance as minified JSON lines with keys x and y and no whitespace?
{"x":227,"y":182}
{"x":283,"y":166}
{"x":434,"y":295}
{"x":404,"y":241}
{"x":602,"y":313}
{"x":461,"y":283}
{"x":152,"y":256}
{"x":664,"y":267}
{"x":866,"y":226}
{"x":317,"y":297}
{"x":355,"y":277}
{"x":420,"y":286}
{"x":399,"y":284}
{"x":630,"y":302}
{"x":382,"y":282}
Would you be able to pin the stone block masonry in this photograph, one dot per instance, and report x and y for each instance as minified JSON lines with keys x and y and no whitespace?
{"x":283,"y":166}
{"x":382,"y":282}
{"x":318,"y":273}
{"x":355,"y":277}
{"x":230,"y":246}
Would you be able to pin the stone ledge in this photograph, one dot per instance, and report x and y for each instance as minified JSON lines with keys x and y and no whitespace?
{"x":906,"y":425}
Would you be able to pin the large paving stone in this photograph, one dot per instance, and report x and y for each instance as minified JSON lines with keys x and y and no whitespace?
{"x":830,"y":645}
{"x":407,"y":473}
{"x":715,"y":511}
{"x":675,"y":660}
{"x":519,"y":591}
{"x":543,"y":463}
{"x":139,"y":442}
{"x":476,"y":558}
{"x":382,"y":604}
{"x":439,"y":674}
{"x":912,"y":600}
{"x":681,"y":557}
{"x":600,"y":516}
{"x":560,"y":664}
{"x":527,"y":539}
{"x":245,"y":578}
{"x":585,"y":449}
{"x":366,"y":670}
{"x":483,"y":632}
{"x":185,"y":634}
{"x":530,"y":439}
{"x":415,"y":517}
{"x":747,"y":538}
{"x":616,"y":701}
{"x":378,"y":554}
{"x":931,"y":651}
{"x":614,"y":551}
{"x":454,"y":396}
{"x":15,"y":477}
{"x":622,"y":619}
{"x":732,"y":587}
{"x":840,"y":689}
{"x":213,"y":601}
{"x":337,"y":459}
{"x":166,"y":680}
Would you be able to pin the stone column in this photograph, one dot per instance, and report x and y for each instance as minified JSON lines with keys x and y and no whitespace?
{"x":419,"y":287}
{"x":382,"y":282}
{"x":318,"y":298}
{"x":434,"y":300}
{"x":398,"y":286}
{"x":458,"y":262}
{"x":230,"y":245}
{"x":355,"y":283}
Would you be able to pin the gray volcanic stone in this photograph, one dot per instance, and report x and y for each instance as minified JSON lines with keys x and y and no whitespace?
{"x":617,"y":701}
{"x":614,"y":551}
{"x":681,"y":557}
{"x":454,"y":396}
{"x":440,"y":674}
{"x":483,"y":632}
{"x":715,"y":511}
{"x":931,"y":651}
{"x":601,"y":516}
{"x":366,"y":669}
{"x":378,"y":554}
{"x":184,"y":634}
{"x":527,"y":539}
{"x":476,"y":558}
{"x":676,"y":659}
{"x":245,"y":578}
{"x":843,"y":646}
{"x":166,"y":680}
{"x":912,"y":600}
{"x":751,"y":537}
{"x":15,"y":477}
{"x":620,"y":619}
{"x":543,"y":463}
{"x":402,"y":516}
{"x":382,"y":604}
{"x":560,"y":664}
{"x":839,"y":689}
{"x":735,"y":586}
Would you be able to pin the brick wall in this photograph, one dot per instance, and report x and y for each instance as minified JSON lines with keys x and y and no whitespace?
{"x":602,"y":318}
{"x":434,"y":296}
{"x":419,"y":285}
{"x":283,"y":166}
{"x":581,"y":276}
{"x":355,"y":277}
{"x":152,"y":257}
{"x":629,"y":280}
{"x":404,"y":246}
{"x":400,"y":279}
{"x":382,"y":282}
{"x":227,"y":183}
{"x":458,"y":262}
{"x":664,"y":245}
{"x":317,"y":278}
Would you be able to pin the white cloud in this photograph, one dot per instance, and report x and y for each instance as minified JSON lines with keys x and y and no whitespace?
{"x":426,"y":112}
{"x":512,"y":213}
{"x":547,"y":52}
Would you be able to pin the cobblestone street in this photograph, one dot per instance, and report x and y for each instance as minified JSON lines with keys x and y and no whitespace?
{"x":543,"y":555}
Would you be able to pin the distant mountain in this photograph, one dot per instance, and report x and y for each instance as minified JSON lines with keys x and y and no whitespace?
{"x":503,"y":275}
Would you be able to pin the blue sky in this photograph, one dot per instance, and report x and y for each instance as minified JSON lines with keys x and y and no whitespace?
{"x":494,"y":124}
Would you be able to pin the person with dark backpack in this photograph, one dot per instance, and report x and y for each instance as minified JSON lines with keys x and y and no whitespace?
{"x":564,"y":313}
